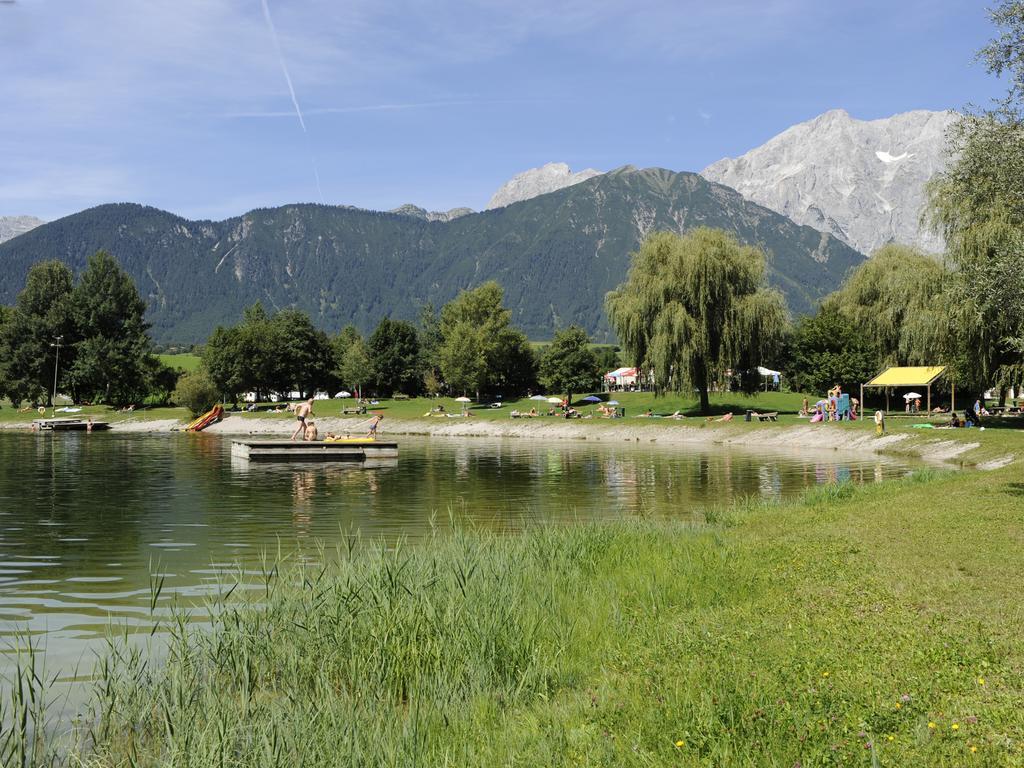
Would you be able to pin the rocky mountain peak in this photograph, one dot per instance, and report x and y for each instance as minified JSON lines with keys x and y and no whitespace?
{"x":860,"y":180}
{"x":12,"y":226}
{"x":538,"y":181}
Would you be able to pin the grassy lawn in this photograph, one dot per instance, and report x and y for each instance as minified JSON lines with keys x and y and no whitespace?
{"x":11,"y":415}
{"x":875,"y":625}
{"x":183,"y":361}
{"x":635,"y":403}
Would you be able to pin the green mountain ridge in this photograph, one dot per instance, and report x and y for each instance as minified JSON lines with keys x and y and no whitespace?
{"x":556,"y":255}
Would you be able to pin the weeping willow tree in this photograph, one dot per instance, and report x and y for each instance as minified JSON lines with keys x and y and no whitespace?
{"x":694,"y":306}
{"x":897,"y":300}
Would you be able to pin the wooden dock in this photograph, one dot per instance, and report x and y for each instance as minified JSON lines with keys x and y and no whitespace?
{"x":289,"y":450}
{"x":68,"y":425}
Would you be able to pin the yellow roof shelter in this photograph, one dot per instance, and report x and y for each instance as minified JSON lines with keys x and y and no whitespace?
{"x":907,"y":376}
{"x":910,"y":376}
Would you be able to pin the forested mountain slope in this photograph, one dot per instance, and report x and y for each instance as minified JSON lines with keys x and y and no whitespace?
{"x":556,"y":255}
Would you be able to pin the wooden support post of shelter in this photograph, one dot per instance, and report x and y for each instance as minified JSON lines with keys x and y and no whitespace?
{"x":907,"y":376}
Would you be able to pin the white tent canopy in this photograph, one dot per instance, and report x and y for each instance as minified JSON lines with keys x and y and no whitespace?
{"x":622,"y":373}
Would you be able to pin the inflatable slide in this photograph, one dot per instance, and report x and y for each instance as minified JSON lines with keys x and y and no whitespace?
{"x":212,"y":416}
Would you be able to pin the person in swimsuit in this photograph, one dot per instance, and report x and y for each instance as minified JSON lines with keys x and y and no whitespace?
{"x":302,"y":412}
{"x":373,"y":425}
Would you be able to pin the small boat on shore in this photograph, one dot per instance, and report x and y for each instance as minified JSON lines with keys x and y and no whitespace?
{"x":68,"y":425}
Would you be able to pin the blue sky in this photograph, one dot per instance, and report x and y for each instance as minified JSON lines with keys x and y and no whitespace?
{"x":183,"y":104}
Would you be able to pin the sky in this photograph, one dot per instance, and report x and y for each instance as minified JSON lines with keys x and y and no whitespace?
{"x":191,"y":105}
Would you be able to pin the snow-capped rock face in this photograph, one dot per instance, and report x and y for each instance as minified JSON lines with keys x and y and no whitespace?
{"x":538,"y":181}
{"x":860,"y":180}
{"x":12,"y":226}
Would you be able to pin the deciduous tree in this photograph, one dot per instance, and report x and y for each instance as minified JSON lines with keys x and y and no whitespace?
{"x":480,"y":350}
{"x":896,"y":300}
{"x":694,"y":306}
{"x":568,"y":364}
{"x":41,"y":315}
{"x":395,"y":355}
{"x":826,"y":349}
{"x":113,"y":350}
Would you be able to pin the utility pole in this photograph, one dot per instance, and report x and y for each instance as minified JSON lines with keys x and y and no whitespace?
{"x":56,"y":367}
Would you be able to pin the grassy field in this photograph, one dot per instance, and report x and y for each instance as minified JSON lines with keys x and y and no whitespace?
{"x":183,"y":361}
{"x":635,"y":403}
{"x":873,"y":626}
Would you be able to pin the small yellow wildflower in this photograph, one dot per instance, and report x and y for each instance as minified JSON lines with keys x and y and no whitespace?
{"x":891,"y":737}
{"x":932,"y":726}
{"x":824,"y":674}
{"x":981,"y":681}
{"x":955,"y":726}
{"x":973,"y":748}
{"x":898,"y":705}
{"x":680,"y":743}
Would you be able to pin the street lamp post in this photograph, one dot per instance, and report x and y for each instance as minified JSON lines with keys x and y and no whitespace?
{"x":56,"y":367}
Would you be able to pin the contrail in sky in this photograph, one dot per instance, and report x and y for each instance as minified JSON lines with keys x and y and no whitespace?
{"x":291,"y":90}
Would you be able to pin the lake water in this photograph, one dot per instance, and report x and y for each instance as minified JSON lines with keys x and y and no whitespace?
{"x":85,"y":519}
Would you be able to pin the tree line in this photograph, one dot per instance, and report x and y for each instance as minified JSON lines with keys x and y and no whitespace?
{"x":88,"y":338}
{"x":470,"y":347}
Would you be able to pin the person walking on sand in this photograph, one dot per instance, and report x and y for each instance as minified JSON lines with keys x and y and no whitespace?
{"x":302,"y":412}
{"x":377,"y":419}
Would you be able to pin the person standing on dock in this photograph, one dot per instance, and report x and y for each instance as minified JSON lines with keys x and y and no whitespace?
{"x":302,"y":412}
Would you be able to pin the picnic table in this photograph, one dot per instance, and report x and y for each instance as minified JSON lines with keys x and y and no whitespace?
{"x":358,"y":410}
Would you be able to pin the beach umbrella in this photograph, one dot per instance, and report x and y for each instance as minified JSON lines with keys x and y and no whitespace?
{"x":911,"y":396}
{"x":591,"y":399}
{"x":539,"y":398}
{"x":463,"y":399}
{"x":344,"y":394}
{"x":554,"y":400}
{"x":613,"y":402}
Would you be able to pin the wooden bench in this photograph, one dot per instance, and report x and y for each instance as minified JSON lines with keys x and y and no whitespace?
{"x":358,"y":411}
{"x":773,"y":416}
{"x":400,"y":397}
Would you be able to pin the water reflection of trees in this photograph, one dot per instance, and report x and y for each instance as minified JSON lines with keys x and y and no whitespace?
{"x":108,"y":505}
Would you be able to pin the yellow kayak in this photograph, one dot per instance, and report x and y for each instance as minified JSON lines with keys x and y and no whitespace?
{"x":349,"y":440}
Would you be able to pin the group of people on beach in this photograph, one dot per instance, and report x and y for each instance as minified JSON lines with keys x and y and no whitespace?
{"x":308,"y":429}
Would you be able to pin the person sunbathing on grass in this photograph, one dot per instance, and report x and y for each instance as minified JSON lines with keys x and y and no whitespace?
{"x":725,"y":417}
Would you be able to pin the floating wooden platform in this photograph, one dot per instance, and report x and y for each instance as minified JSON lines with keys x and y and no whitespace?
{"x":288,"y":450}
{"x":68,"y":425}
